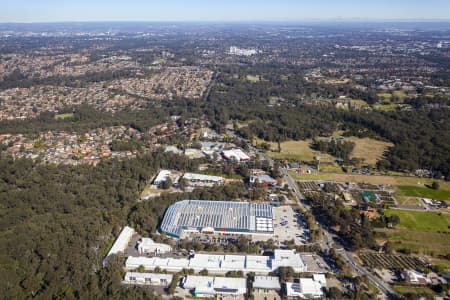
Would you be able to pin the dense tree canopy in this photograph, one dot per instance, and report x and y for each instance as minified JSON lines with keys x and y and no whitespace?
{"x":58,"y":222}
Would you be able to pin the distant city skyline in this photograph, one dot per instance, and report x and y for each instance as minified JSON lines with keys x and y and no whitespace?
{"x":28,"y":11}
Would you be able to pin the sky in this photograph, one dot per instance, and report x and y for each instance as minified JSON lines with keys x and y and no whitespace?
{"x":221,"y":10}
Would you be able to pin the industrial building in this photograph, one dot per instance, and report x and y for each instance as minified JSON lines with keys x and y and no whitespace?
{"x":264,"y":180}
{"x":148,"y":279}
{"x":193,"y":179}
{"x":148,"y":246}
{"x":161,"y":177}
{"x":122,"y":241}
{"x":306,"y":288}
{"x":217,"y":217}
{"x":221,"y":264}
{"x":266,"y":287}
{"x":236,"y":154}
{"x":209,"y":287}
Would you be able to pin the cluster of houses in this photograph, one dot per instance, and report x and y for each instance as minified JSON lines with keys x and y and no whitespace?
{"x":63,"y":147}
{"x":38,"y":65}
{"x":53,"y":63}
{"x":167,"y":83}
{"x":23,"y":103}
{"x":130,"y":93}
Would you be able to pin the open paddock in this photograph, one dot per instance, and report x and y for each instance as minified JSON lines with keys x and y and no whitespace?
{"x":297,"y":150}
{"x":423,"y":221}
{"x":369,"y":149}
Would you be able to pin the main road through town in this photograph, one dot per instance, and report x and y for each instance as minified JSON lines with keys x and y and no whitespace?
{"x":329,"y":240}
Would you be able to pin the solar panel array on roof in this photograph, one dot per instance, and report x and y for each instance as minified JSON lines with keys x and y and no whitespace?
{"x":220,"y":215}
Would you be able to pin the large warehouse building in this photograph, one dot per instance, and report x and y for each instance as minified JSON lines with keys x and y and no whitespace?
{"x":221,"y":264}
{"x":217,"y":217}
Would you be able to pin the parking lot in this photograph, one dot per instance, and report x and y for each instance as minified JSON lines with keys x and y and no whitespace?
{"x":289,"y":225}
{"x":315,"y":263}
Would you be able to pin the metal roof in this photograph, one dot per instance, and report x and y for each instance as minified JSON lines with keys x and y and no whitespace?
{"x":266,"y":282}
{"x":226,"y":215}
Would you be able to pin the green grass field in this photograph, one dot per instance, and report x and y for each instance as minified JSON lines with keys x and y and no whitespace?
{"x":420,"y":232}
{"x":63,"y":116}
{"x":422,"y":221}
{"x":424,"y":192}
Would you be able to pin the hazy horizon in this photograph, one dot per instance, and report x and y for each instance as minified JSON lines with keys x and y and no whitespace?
{"x":51,"y":11}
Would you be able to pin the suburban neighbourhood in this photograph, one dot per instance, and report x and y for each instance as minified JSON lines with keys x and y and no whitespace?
{"x":225,"y":160}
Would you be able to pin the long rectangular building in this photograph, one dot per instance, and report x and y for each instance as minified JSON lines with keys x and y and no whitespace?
{"x":194,"y":179}
{"x":122,"y":241}
{"x":217,"y":217}
{"x":148,"y":279}
{"x":221,"y":264}
{"x":208,"y":287}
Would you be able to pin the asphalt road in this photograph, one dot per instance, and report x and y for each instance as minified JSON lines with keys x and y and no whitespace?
{"x":328,"y":240}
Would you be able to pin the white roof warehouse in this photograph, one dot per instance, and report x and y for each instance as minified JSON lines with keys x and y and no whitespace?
{"x":148,"y":278}
{"x":236,"y":154}
{"x":200,"y":179}
{"x":205,"y":286}
{"x":223,"y":217}
{"x":122,"y":241}
{"x":221,"y":264}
